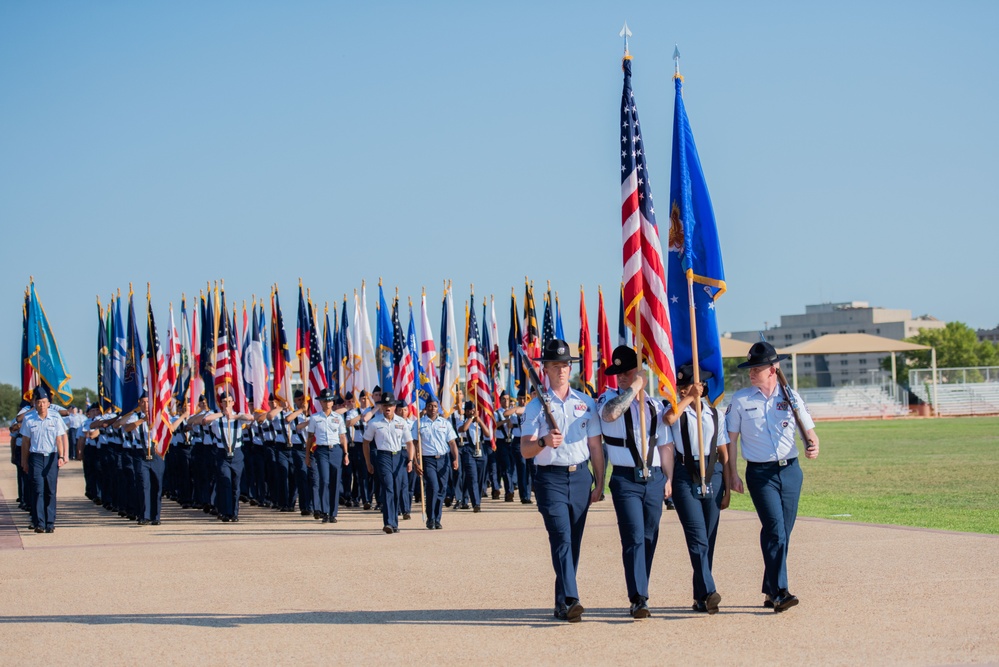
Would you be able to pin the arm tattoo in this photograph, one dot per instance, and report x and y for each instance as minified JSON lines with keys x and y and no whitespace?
{"x":617,"y":405}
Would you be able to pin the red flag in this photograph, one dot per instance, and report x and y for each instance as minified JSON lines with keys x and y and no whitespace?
{"x":604,"y":350}
{"x":585,"y":351}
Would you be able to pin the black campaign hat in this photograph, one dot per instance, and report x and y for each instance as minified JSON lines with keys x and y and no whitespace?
{"x":387,"y":399}
{"x":685,"y":375}
{"x":326,"y":394}
{"x":762,"y":354}
{"x":556,"y":350}
{"x":623,"y":360}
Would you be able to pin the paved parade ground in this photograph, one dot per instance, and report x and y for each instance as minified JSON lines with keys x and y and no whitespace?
{"x":283,"y":589}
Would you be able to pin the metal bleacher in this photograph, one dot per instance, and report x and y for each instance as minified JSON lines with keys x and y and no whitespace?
{"x":852,"y":402}
{"x":981,"y":398}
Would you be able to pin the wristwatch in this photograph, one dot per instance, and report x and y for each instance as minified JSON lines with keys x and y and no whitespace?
{"x":541,"y":442}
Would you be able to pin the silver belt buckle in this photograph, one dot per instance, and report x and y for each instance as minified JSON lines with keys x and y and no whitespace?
{"x":573,"y":467}
{"x":782,"y":463}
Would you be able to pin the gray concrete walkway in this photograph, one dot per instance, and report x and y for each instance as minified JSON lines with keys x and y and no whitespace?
{"x":282,"y":589}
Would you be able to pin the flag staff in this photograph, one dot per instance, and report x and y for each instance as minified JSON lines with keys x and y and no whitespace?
{"x":693,"y":328}
{"x":637,"y":331}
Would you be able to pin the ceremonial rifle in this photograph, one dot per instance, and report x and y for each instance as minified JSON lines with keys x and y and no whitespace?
{"x":536,"y":385}
{"x":791,"y":401}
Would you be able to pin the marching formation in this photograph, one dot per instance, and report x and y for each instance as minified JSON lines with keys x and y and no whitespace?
{"x":216,"y":419}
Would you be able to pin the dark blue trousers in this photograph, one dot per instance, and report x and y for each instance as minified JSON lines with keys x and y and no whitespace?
{"x":282,"y":475}
{"x":43,"y":469}
{"x":361,"y":490}
{"x":227,"y":483}
{"x":329,"y":462}
{"x":699,"y":519}
{"x":524,"y":469}
{"x":182,"y":470}
{"x":504,"y":465}
{"x":387,"y":466}
{"x":435,"y":474}
{"x":151,"y":482}
{"x":639,"y":507}
{"x":91,"y":471}
{"x":405,"y":491}
{"x":204,"y":460}
{"x":563,"y":500}
{"x":307,"y":497}
{"x":471,"y":487}
{"x":775,"y":491}
{"x":137,"y":455}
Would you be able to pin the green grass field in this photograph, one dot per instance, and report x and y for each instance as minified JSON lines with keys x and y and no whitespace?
{"x":931,"y":473}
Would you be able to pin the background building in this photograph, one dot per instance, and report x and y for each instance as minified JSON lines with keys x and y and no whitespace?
{"x":835,"y":370}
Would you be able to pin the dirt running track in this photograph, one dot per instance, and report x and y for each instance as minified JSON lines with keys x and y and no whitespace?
{"x":282,"y":589}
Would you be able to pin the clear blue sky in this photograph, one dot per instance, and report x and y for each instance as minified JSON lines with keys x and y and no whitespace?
{"x":850,"y":149}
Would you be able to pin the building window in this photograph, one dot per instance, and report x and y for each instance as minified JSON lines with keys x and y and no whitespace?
{"x":808,"y":364}
{"x":844,"y":372}
{"x":844,"y":362}
{"x":788,"y":336}
{"x":842,"y":332}
{"x":770,"y":339}
{"x":863,"y":362}
{"x":861,"y":330}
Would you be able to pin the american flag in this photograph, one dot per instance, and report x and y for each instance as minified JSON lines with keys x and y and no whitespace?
{"x":477,"y":375}
{"x":317,"y":373}
{"x":646,"y":310}
{"x":404,"y":376}
{"x":158,"y":390}
{"x":223,"y":362}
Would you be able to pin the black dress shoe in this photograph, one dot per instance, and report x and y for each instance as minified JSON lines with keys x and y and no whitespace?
{"x":670,"y":505}
{"x":155,"y":522}
{"x":388,"y":530}
{"x":234,"y":519}
{"x":711,"y":602}
{"x":395,"y":529}
{"x":699,"y":607}
{"x":142,"y":522}
{"x":39,"y":529}
{"x":640,"y":609}
{"x":253,"y":502}
{"x":315,"y":515}
{"x":476,"y":508}
{"x":332,"y":519}
{"x":495,"y":495}
{"x":185,"y":506}
{"x":437,"y":525}
{"x":325,"y":519}
{"x":448,"y":501}
{"x":526,"y":501}
{"x":508,"y":498}
{"x":768,"y":602}
{"x":224,"y":519}
{"x":50,"y":530}
{"x":574,"y":612}
{"x":430,"y":525}
{"x":464,"y":506}
{"x":560,"y":613}
{"x":406,"y":517}
{"x":784,"y":601}
{"x":206,"y":509}
{"x":32,"y":526}
{"x":367,"y":506}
